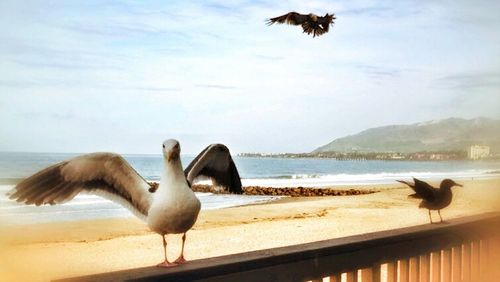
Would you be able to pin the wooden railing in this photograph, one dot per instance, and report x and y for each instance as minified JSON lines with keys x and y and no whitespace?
{"x":465,"y":249}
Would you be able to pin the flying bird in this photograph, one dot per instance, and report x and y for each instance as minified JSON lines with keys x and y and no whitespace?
{"x":432,"y":198}
{"x":168,"y":208}
{"x":310,"y":23}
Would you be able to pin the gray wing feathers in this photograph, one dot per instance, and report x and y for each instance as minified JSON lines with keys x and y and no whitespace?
{"x":194,"y":168}
{"x":216,"y":163}
{"x":104,"y":174}
{"x":31,"y":190}
{"x":422,"y":189}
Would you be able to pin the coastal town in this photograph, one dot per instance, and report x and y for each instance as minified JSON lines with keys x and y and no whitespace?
{"x":474,"y":152}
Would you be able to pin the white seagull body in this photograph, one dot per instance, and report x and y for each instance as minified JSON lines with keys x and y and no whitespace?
{"x":170,"y":208}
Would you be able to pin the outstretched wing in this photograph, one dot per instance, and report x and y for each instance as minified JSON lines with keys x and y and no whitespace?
{"x":292,"y":18}
{"x":424,"y":190}
{"x":103,"y":174}
{"x":216,"y":163}
{"x":412,"y":187}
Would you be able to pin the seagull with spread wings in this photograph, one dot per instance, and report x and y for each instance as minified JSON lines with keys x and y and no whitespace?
{"x":168,"y":208}
{"x":310,"y":23}
{"x":432,"y":198}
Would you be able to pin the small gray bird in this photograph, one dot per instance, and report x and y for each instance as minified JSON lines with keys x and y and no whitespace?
{"x":432,"y":198}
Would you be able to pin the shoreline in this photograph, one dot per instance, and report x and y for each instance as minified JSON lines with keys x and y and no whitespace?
{"x":67,"y":249}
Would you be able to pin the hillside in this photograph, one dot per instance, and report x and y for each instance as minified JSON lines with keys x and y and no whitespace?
{"x":442,"y":135}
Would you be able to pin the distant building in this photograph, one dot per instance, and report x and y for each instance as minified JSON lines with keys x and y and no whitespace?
{"x":477,"y":152}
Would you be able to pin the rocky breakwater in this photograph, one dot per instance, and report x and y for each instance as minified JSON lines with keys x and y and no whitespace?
{"x":288,"y":191}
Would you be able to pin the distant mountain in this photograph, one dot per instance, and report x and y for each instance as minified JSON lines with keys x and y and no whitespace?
{"x":441,"y":135}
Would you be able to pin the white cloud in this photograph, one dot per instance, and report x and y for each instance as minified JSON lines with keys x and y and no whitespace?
{"x":95,"y":75}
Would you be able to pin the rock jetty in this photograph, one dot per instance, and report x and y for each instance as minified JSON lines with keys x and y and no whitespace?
{"x":288,"y":191}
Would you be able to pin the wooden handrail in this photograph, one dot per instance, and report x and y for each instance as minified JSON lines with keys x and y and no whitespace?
{"x":320,"y":259}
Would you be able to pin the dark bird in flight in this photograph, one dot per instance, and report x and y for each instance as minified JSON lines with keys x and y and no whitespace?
{"x":310,"y":23}
{"x":168,"y":208}
{"x":432,"y":198}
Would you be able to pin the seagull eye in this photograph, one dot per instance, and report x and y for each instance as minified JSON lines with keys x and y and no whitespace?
{"x":163,"y":146}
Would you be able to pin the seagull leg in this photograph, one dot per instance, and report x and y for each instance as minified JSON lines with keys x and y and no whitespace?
{"x":439,"y":212}
{"x":430,"y":216}
{"x":181,"y":258}
{"x":166,"y":263}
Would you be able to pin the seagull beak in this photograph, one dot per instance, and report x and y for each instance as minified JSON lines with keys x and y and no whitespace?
{"x":459,"y":185}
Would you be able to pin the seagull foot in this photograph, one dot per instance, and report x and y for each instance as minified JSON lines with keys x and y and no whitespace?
{"x":180,"y":260}
{"x":166,"y":264}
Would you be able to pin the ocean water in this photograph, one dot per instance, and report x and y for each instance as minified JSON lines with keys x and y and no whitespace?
{"x":276,"y":172}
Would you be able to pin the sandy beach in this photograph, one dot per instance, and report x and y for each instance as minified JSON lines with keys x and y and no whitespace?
{"x":57,"y":250}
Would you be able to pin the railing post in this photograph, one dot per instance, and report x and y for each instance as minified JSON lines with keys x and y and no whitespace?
{"x":436,"y":266}
{"x":404,"y":273}
{"x":456,"y":264}
{"x":475,"y":261}
{"x":371,"y":274}
{"x":392,"y":271}
{"x":352,"y":276}
{"x":484,"y":261}
{"x":446,"y":269}
{"x":494,"y":259}
{"x":366,"y":274}
{"x":466,"y":262}
{"x":336,"y":277}
{"x":376,"y":273}
{"x":424,"y":268}
{"x":414,"y":269}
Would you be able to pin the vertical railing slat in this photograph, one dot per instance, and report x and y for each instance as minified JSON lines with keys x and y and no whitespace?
{"x":475,"y":261}
{"x":484,"y":267}
{"x":446,"y":265}
{"x":352,"y":276}
{"x":414,"y":269}
{"x":425,"y":268}
{"x":392,"y":271}
{"x":494,"y":259}
{"x":436,"y":266}
{"x":404,"y":273}
{"x":366,"y":274}
{"x":466,"y":263}
{"x":336,"y":277}
{"x":456,"y":264}
{"x":376,"y":273}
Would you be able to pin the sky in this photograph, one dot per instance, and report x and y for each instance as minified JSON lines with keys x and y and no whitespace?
{"x":122,"y":76}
